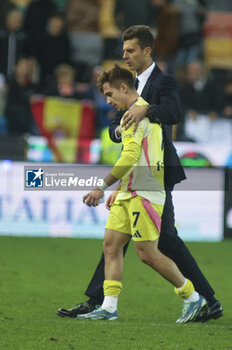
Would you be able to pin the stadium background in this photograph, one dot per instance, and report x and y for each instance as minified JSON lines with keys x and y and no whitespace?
{"x":60,"y":118}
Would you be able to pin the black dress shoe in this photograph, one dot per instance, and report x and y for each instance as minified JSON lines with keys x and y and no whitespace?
{"x":211,"y":312}
{"x":83,"y":308}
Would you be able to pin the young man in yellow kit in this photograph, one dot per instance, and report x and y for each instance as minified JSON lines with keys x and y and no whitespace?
{"x":138,"y":207}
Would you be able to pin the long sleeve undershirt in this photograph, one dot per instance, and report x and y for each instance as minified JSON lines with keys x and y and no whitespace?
{"x":130,"y":153}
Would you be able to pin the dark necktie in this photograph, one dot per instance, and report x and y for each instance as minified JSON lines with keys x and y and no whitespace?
{"x":136,"y":83}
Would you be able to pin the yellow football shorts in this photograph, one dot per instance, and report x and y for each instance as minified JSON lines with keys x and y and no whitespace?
{"x":136,"y":217}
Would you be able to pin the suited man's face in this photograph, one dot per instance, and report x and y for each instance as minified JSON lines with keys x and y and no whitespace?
{"x":136,"y":58}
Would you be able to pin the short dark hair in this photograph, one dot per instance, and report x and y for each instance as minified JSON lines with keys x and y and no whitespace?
{"x":115,"y":77}
{"x":142,"y":33}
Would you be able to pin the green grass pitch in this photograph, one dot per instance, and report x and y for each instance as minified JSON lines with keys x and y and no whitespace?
{"x":39,"y":275}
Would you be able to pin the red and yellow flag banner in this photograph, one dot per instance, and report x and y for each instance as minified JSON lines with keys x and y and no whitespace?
{"x":65,"y":123}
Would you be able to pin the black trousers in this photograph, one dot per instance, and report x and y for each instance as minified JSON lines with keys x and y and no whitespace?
{"x":172,"y":246}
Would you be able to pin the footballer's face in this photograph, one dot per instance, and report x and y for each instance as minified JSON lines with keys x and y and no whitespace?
{"x":135,"y":57}
{"x":115,"y":97}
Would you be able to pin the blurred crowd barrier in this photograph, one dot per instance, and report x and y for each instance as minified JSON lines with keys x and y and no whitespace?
{"x":48,"y":211}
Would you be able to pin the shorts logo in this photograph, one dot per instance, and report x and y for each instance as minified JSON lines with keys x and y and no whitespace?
{"x":137,"y":234}
{"x":34,"y":178}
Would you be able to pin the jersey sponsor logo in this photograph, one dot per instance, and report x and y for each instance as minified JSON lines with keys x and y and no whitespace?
{"x":160,"y":165}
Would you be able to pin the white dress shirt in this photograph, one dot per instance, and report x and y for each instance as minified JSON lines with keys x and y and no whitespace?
{"x":143,"y":78}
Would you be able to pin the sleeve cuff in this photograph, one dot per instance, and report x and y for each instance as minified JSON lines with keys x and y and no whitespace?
{"x":115,"y":133}
{"x":151,"y":115}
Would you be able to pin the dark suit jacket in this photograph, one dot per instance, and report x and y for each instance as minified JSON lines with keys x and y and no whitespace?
{"x":161,"y":92}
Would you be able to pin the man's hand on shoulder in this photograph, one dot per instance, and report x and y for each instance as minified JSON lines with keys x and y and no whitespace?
{"x":134,"y":115}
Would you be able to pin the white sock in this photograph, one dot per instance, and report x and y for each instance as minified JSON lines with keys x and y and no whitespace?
{"x":110,"y":303}
{"x":185,"y":281}
{"x":193,"y":297}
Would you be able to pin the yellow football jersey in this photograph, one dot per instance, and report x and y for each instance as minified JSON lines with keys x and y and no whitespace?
{"x":146,"y":177}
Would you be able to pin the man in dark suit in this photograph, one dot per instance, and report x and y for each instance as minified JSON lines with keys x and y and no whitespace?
{"x":160,"y":91}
